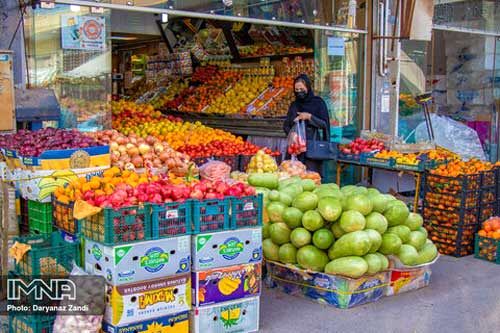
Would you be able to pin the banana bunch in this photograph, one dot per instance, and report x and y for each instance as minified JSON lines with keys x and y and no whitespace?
{"x":59,"y":178}
{"x":228,"y":285}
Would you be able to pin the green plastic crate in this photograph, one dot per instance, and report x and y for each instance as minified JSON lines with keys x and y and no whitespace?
{"x":121,"y":226}
{"x":31,"y":324}
{"x":40,"y":217}
{"x":49,"y":255}
{"x":211,"y":215}
{"x":246,"y":212}
{"x":487,"y":249}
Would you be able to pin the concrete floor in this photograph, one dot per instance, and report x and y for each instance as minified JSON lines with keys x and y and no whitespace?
{"x":464,"y":296}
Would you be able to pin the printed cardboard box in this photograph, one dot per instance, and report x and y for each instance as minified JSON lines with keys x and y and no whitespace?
{"x":335,"y":290}
{"x":224,"y":284}
{"x":404,"y":280}
{"x":140,"y":261}
{"x":150,"y":299}
{"x":229,"y":317}
{"x":221,"y":249}
{"x":175,"y":323}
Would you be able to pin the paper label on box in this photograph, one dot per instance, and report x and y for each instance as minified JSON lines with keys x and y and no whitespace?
{"x":172,"y":214}
{"x":248,"y":206}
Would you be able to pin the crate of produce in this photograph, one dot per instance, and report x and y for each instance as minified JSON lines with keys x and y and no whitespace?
{"x":174,"y":323}
{"x":172,"y":219}
{"x":488,"y":210}
{"x":148,"y":299}
{"x":31,"y":324}
{"x":334,"y":290}
{"x":48,"y":255}
{"x":450,"y":217}
{"x":370,"y":159}
{"x":233,"y":161}
{"x":454,"y":241}
{"x":120,"y":226}
{"x":230,"y":317}
{"x":246,"y":211}
{"x":211,"y":215}
{"x":348,"y":157}
{"x":228,"y":248}
{"x":487,"y":248}
{"x":40,"y":217}
{"x":488,"y":195}
{"x":130,"y":263}
{"x":225,"y":284}
{"x":452,"y":185}
{"x":489,"y":178}
{"x":63,"y":216}
{"x":446,"y":201}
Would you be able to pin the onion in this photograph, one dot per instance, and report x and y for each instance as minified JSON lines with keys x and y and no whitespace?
{"x":164,"y":156}
{"x":129,"y":146}
{"x":121,"y":140}
{"x":144,"y":148}
{"x":138,"y":162}
{"x":133,"y":151}
{"x":115,"y":156}
{"x":158,"y":148}
{"x":150,"y":140}
{"x":113,"y":146}
{"x":122,"y":149}
{"x":148,"y":156}
{"x":157,"y":163}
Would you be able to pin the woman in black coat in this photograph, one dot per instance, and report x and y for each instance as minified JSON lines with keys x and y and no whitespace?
{"x":311,"y":109}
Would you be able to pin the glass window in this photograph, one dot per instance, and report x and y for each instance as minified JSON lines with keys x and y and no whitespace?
{"x":68,"y":51}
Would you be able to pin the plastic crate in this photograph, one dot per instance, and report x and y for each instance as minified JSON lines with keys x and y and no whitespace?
{"x":452,"y":185}
{"x":232,"y":161}
{"x":487,"y":249}
{"x":450,"y":218}
{"x":349,"y":157}
{"x":454,"y":241}
{"x":488,"y":195}
{"x":121,"y":226}
{"x":171,"y":219}
{"x":31,"y":324}
{"x":488,"y":210}
{"x":63,"y":216}
{"x":489,"y":178}
{"x":447,"y":201}
{"x":49,"y":255}
{"x":370,"y":159}
{"x":246,"y":211}
{"x":211,"y":215}
{"x":40,"y":217}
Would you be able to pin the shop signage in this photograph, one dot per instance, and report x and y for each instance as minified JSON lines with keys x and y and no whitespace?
{"x":335,"y":46}
{"x":83,"y":32}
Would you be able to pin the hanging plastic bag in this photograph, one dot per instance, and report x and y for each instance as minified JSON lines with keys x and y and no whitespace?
{"x":215,"y":170}
{"x":297,"y":139}
{"x":452,"y":135}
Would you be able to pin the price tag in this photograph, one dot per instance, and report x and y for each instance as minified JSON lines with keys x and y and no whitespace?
{"x":172,"y":214}
{"x":248,"y":206}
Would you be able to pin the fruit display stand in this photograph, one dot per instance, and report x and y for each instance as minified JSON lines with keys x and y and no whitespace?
{"x":335,"y":290}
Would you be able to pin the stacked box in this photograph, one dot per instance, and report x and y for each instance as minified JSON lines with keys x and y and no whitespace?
{"x":226,"y":276}
{"x":453,"y":208}
{"x":149,"y":281}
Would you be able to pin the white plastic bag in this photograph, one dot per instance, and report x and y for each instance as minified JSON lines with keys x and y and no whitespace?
{"x":452,"y":135}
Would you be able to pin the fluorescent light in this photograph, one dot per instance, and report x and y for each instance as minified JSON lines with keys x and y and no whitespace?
{"x":123,"y":38}
{"x":164,"y":18}
{"x":74,"y":8}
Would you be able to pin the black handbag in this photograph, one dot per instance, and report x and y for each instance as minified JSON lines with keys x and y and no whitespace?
{"x":321,"y":150}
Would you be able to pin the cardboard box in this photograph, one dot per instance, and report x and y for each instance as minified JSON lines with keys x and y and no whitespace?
{"x":229,"y":317}
{"x":226,"y":284}
{"x":150,"y":299}
{"x":124,"y":264}
{"x":221,"y":249}
{"x":175,"y":323}
{"x":335,"y":290}
{"x":404,"y":280}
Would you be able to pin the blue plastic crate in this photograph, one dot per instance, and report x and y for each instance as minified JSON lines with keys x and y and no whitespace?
{"x":246,"y":211}
{"x":211,"y":215}
{"x":172,"y":219}
{"x":31,"y":324}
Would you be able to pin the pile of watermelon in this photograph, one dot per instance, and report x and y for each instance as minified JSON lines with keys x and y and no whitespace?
{"x":349,"y":231}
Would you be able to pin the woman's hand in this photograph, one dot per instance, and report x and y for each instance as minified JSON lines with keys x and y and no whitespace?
{"x":303,"y":116}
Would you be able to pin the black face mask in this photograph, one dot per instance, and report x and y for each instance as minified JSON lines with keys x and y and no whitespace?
{"x":301,"y":95}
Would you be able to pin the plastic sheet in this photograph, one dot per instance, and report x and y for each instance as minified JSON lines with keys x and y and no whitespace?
{"x":297,"y":139}
{"x":453,"y":135}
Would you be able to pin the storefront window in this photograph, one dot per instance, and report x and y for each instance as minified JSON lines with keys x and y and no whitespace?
{"x":338,"y":74}
{"x":68,"y":51}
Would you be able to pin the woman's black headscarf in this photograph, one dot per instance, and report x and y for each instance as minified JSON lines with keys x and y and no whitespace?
{"x":312,"y":104}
